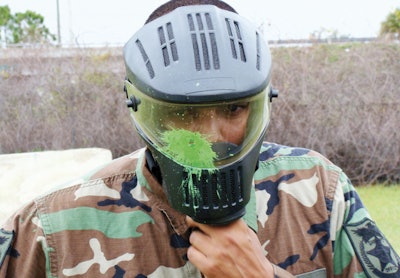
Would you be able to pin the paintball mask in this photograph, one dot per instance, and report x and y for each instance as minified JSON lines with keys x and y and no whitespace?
{"x":198,"y":87}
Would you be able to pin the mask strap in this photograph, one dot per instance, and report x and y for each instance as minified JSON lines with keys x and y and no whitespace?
{"x":152,"y":165}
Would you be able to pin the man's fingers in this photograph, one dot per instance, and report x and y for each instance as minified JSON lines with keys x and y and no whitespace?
{"x":200,"y":241}
{"x":195,"y":256}
{"x":190,"y":222}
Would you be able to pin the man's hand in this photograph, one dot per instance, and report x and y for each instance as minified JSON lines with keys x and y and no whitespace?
{"x":231,"y":250}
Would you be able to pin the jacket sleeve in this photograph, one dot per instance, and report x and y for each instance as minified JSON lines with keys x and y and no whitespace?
{"x":360,"y":248}
{"x":21,"y":241}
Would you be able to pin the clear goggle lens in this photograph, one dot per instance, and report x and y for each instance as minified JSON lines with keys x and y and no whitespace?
{"x":202,"y":135}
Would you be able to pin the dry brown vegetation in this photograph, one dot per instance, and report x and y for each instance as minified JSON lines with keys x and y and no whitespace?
{"x":341,"y":100}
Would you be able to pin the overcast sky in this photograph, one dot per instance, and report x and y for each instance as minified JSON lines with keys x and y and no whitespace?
{"x":114,"y":22}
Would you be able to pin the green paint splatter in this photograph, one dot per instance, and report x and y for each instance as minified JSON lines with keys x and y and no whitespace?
{"x":189,"y":148}
{"x":193,"y":152}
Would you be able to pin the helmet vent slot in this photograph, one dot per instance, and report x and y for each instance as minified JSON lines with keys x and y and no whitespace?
{"x":214,"y":190}
{"x":205,"y":191}
{"x":204,"y":44}
{"x":235,"y":38}
{"x":168,"y":44}
{"x":146,"y":59}
{"x":258,"y":60}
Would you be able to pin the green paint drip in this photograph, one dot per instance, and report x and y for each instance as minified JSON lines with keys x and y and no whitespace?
{"x":193,"y":152}
{"x":193,"y":190}
{"x":189,"y":148}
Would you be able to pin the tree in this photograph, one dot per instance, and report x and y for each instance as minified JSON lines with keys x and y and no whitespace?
{"x":5,"y":15}
{"x":27,"y":27}
{"x":5,"y":18}
{"x":391,"y":26}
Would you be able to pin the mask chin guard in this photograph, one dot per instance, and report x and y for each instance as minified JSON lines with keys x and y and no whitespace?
{"x":214,"y":196}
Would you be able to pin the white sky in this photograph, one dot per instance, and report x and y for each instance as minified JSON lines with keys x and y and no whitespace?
{"x":114,"y":22}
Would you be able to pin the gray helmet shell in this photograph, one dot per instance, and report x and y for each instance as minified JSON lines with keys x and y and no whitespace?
{"x":198,"y":53}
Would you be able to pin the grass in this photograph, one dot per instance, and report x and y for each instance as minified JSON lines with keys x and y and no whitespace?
{"x":383,"y":204}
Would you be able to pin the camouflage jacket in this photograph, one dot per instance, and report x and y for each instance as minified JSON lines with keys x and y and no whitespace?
{"x":117,"y":223}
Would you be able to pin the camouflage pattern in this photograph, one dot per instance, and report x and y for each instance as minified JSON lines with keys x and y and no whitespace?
{"x":308,"y":217}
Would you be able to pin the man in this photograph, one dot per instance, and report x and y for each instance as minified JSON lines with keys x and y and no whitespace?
{"x":207,"y":196}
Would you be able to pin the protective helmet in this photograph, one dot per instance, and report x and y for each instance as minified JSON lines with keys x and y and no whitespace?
{"x":198,"y":83}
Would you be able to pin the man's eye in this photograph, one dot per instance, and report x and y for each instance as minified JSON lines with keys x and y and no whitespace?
{"x":236,"y":107}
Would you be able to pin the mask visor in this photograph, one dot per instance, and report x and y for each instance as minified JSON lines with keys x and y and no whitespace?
{"x":205,"y":135}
